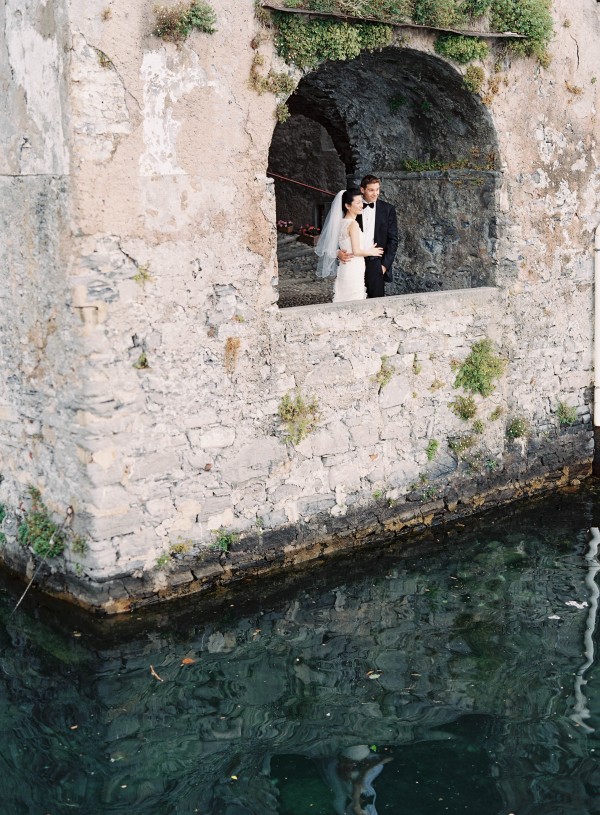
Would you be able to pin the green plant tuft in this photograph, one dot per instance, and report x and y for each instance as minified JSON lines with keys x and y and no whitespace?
{"x":2,"y":512}
{"x":566,"y":415}
{"x":143,"y":276}
{"x":532,"y":18}
{"x":300,"y":416}
{"x":277,"y":82}
{"x":176,"y":23}
{"x":432,"y":449}
{"x":478,"y":427}
{"x":437,"y":13}
{"x":430,"y":493}
{"x":385,"y":373}
{"x":398,"y":11}
{"x":476,"y":8}
{"x":38,"y":531}
{"x":517,"y":428}
{"x":282,"y":112}
{"x":496,"y":413}
{"x":464,"y":407}
{"x":480,"y":368}
{"x":180,"y":548}
{"x":460,"y":444}
{"x":79,"y":545}
{"x":142,"y":362}
{"x":104,"y":60}
{"x":162,"y":561}
{"x":306,"y":42}
{"x":224,"y":540}
{"x":262,"y":15}
{"x":473,"y":78}
{"x":461,"y":49}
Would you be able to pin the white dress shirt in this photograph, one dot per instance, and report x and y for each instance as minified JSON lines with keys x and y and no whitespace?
{"x":368,"y":220}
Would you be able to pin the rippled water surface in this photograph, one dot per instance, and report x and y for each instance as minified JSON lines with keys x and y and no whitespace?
{"x":456,"y":675}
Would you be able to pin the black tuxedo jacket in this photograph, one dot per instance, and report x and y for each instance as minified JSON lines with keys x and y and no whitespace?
{"x":386,"y":235}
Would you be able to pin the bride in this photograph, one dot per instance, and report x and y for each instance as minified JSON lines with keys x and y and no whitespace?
{"x":341,"y":231}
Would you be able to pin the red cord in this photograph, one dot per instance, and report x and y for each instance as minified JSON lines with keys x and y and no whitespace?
{"x":300,"y":184}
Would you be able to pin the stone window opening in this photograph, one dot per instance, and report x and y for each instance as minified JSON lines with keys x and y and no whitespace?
{"x":407,"y":117}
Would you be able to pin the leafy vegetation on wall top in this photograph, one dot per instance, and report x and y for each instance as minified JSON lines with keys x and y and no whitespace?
{"x":306,"y":42}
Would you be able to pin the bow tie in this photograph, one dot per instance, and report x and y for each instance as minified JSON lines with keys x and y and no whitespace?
{"x":368,"y":205}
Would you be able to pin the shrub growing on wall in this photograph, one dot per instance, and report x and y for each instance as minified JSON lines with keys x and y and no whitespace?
{"x":461,"y":49}
{"x":439,"y":13}
{"x":529,"y":17}
{"x":175,"y":23}
{"x":306,"y":42}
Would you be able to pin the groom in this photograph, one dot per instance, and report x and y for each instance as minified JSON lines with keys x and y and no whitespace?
{"x":380,"y":226}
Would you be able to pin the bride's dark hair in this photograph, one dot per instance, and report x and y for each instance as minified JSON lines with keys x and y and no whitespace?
{"x":348,"y":196}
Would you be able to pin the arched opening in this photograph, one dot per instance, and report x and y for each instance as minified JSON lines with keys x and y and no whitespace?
{"x":409,"y":118}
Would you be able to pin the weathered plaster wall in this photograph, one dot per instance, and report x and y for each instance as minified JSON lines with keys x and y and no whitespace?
{"x":40,"y":386}
{"x":161,"y":244}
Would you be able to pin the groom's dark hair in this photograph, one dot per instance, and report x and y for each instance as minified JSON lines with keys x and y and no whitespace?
{"x":369,"y":179}
{"x":348,"y":196}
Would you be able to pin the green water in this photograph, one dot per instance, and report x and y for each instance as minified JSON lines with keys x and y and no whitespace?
{"x":432,"y":679}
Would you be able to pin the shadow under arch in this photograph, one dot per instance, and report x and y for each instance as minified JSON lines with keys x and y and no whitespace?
{"x":408,"y":117}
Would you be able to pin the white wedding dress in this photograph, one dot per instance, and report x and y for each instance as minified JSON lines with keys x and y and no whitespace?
{"x":350,"y":280}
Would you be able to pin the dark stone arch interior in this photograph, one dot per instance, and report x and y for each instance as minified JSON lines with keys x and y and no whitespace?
{"x":373,"y":114}
{"x":302,"y":149}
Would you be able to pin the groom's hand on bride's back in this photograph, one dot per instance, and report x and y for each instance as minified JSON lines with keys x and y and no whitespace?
{"x":344,"y":257}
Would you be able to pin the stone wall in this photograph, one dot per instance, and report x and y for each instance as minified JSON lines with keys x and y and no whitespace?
{"x":144,"y":357}
{"x":447,"y":229}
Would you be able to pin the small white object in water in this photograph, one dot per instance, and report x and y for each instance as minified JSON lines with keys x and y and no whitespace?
{"x":576,"y":604}
{"x":554,"y":617}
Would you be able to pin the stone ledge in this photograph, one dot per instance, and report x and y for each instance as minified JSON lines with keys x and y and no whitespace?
{"x":288,"y":548}
{"x":399,"y":302}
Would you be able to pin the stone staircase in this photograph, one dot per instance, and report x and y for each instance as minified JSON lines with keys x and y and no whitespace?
{"x":298,"y":285}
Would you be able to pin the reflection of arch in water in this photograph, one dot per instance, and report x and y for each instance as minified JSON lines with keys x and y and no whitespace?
{"x":376,"y":113}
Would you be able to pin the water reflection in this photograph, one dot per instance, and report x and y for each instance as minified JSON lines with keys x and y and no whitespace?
{"x":439,"y":681}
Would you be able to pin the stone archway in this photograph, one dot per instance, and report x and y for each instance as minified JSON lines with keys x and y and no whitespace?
{"x":408,"y":117}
